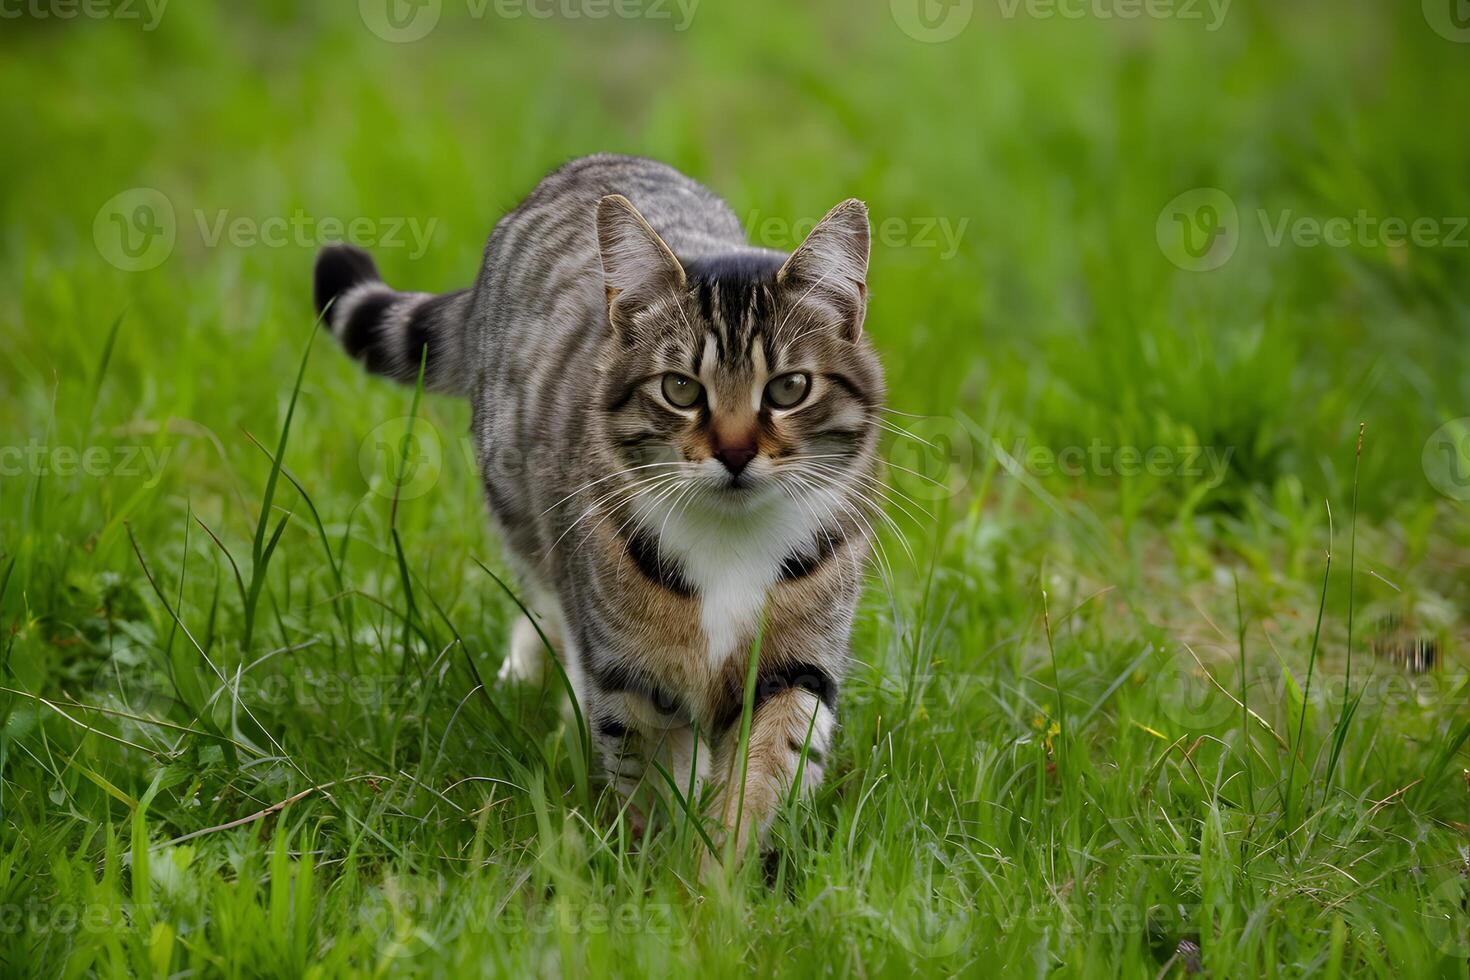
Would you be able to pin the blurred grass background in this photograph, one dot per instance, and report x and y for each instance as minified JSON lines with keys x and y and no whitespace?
{"x":1022,"y":301}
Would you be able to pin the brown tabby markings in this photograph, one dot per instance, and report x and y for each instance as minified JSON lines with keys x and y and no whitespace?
{"x":658,"y":538}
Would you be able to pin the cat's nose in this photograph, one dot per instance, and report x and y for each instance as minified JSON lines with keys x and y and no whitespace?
{"x":736,"y":456}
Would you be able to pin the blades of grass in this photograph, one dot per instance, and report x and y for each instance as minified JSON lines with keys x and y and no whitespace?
{"x":1247,"y":752}
{"x":115,"y":713}
{"x":260,"y":558}
{"x":1122,"y":678}
{"x":584,"y":732}
{"x":1056,"y":676}
{"x":517,"y":730}
{"x":806,"y":746}
{"x":410,"y":615}
{"x":1301,"y":726}
{"x":403,"y":574}
{"x":1435,"y":771}
{"x":413,"y":416}
{"x":5,"y":580}
{"x":99,"y":373}
{"x":747,"y":714}
{"x":1349,"y":703}
{"x":239,"y":578}
{"x":106,"y":786}
{"x":686,"y":805}
{"x":257,"y":578}
{"x":148,"y":574}
{"x":316,"y":516}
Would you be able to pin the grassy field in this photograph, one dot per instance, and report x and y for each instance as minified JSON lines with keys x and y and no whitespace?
{"x":1142,"y":688}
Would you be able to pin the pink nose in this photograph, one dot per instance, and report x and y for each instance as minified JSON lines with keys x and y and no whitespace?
{"x":736,"y":456}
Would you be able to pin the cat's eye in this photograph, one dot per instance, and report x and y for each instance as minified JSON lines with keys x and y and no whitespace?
{"x":681,"y":390}
{"x":789,"y":390}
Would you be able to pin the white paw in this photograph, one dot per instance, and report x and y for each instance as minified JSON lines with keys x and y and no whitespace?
{"x":526,"y":662}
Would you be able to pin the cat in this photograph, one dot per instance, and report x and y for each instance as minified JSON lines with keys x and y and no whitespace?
{"x":675,"y":431}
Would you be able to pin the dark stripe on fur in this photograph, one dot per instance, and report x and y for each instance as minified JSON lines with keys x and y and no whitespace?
{"x":799,"y":564}
{"x":618,"y":677}
{"x":420,"y":334}
{"x":735,"y":292}
{"x":338,"y":269}
{"x":807,"y":677}
{"x":360,"y":332}
{"x":610,"y":728}
{"x":658,"y":568}
{"x":775,"y":680}
{"x":845,"y":383}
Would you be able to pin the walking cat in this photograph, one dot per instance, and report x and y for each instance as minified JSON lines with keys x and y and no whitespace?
{"x":675,"y":430}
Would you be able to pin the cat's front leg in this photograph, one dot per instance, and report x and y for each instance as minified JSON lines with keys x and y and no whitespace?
{"x":791,"y":734}
{"x":650,"y":756}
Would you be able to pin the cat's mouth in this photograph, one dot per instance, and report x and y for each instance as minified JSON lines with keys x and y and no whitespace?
{"x":740,"y":493}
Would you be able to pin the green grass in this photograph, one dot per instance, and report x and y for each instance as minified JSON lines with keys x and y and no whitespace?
{"x":244,"y":728}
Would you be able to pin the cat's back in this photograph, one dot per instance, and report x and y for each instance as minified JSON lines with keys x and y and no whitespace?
{"x":543,"y":257}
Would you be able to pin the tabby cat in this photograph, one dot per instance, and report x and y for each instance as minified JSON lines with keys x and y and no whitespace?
{"x":675,"y":430}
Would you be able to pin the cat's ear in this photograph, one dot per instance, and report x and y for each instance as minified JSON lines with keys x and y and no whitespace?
{"x":636,"y":263}
{"x":831,"y":266}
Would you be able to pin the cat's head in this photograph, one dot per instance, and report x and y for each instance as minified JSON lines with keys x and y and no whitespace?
{"x":741,"y":377}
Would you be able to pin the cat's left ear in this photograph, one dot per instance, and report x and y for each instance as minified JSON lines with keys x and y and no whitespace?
{"x":637,"y":265}
{"x":831,"y":266}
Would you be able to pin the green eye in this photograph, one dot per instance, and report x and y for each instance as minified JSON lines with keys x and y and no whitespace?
{"x":682,"y":391}
{"x":789,"y":390}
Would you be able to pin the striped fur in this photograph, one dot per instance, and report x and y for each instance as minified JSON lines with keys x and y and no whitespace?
{"x":657,"y":541}
{"x":391,"y":332}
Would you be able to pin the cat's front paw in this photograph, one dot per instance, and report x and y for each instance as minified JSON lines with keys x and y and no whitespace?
{"x":526,"y":661}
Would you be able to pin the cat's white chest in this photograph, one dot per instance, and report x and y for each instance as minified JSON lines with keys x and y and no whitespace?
{"x":732,"y":566}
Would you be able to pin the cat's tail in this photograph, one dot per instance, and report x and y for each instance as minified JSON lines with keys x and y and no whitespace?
{"x":388,"y":330}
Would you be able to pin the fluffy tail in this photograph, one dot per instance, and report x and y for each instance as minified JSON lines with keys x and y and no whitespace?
{"x":388,"y":330}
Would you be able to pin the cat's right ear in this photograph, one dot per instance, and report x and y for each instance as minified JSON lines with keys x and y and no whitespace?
{"x":637,"y":265}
